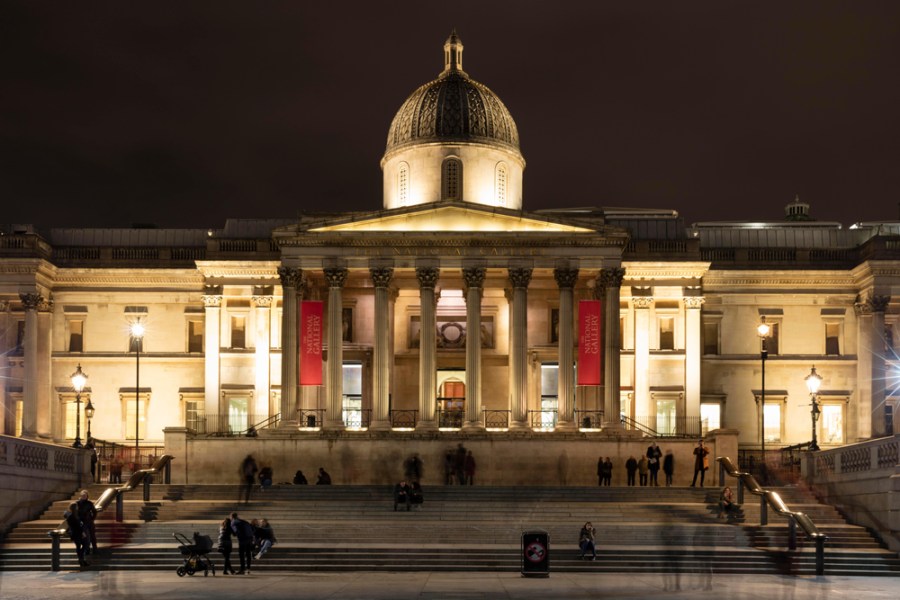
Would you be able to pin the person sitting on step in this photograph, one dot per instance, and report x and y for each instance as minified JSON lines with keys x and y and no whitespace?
{"x":727,"y":506}
{"x":402,"y":494}
{"x":586,"y":541}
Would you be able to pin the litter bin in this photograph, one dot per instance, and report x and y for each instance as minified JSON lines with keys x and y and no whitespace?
{"x":535,"y":553}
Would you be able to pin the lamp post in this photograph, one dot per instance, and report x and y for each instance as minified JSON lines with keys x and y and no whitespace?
{"x":813,"y":381}
{"x":137,"y":336}
{"x":78,"y":381}
{"x":763,"y":330}
{"x":89,"y":413}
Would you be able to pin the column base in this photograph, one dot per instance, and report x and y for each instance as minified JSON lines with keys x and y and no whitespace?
{"x":290,"y":424}
{"x":333,"y":426}
{"x":519,"y":426}
{"x":380,"y":426}
{"x":566,"y":426}
{"x":473,"y":426}
{"x":426,"y":426}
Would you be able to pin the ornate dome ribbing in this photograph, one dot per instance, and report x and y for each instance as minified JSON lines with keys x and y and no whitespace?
{"x":453,"y":108}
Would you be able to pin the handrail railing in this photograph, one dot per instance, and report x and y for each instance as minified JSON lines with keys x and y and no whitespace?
{"x":251,"y":431}
{"x":162,"y":464}
{"x":774,"y":500}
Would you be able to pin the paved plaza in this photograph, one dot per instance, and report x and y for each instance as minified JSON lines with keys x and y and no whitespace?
{"x":435,"y":586}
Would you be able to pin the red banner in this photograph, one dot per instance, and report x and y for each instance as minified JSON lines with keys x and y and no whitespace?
{"x":590,"y":353}
{"x":310,"y":343}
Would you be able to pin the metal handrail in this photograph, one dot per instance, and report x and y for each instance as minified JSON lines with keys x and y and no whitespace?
{"x":774,"y":500}
{"x":144,"y":476}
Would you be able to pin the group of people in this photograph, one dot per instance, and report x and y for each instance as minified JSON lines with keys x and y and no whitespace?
{"x":408,"y":494}
{"x":648,"y":466}
{"x":323,"y":478}
{"x":80,"y":517}
{"x":251,"y":475}
{"x":254,"y":539}
{"x":459,"y":466}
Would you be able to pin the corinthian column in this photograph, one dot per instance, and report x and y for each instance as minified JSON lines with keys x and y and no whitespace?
{"x":212,"y":308}
{"x":518,"y":351}
{"x":692,"y":353}
{"x":334,"y":373}
{"x":381,"y":277}
{"x":566,"y":279}
{"x":428,"y":277}
{"x":879,"y":306}
{"x":31,"y":303}
{"x":474,"y":278}
{"x":291,"y":280}
{"x":610,"y":282}
{"x":642,"y":306}
{"x":262,"y":304}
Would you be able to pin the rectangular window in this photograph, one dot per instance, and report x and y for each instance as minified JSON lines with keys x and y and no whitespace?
{"x":70,"y":410}
{"x":831,"y":424}
{"x":772,"y":342}
{"x":621,"y":333}
{"x":833,"y":339}
{"x":549,"y":395}
{"x":195,"y":336}
{"x":352,"y":402}
{"x":195,"y":415}
{"x":132,"y":405}
{"x":76,"y":335}
{"x":710,"y":416}
{"x":18,"y":424}
{"x":665,"y":416}
{"x":711,"y":337}
{"x":772,"y":422}
{"x":20,"y":337}
{"x":238,"y":411}
{"x":238,"y":332}
{"x":666,"y":333}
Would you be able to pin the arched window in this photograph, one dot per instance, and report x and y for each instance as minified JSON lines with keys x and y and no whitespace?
{"x":500,"y":178}
{"x":451,"y":179}
{"x":403,"y":184}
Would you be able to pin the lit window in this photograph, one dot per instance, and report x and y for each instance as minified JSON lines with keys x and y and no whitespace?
{"x":238,"y":332}
{"x":772,"y":422}
{"x":832,"y":424}
{"x":501,"y":184}
{"x":70,"y":409}
{"x":549,"y":395}
{"x":833,"y":339}
{"x":76,"y":336}
{"x":129,"y":402}
{"x":665,"y":416}
{"x":195,"y":415}
{"x":666,"y":333}
{"x":710,"y":416}
{"x":352,"y":402}
{"x":451,"y":179}
{"x":403,"y":183}
{"x":195,"y":336}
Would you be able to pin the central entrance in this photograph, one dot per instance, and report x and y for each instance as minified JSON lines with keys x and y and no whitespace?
{"x":451,"y":398}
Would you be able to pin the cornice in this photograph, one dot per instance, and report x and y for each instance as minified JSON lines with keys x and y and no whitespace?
{"x":231,"y":269}
{"x":768,"y":279}
{"x":129,"y":278}
{"x":427,"y":239}
{"x":636,"y":270}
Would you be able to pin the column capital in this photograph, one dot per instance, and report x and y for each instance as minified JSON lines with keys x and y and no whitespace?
{"x":565,"y":277}
{"x":474,"y":276}
{"x":381,"y":276}
{"x":611,"y":277}
{"x":4,"y":305}
{"x":31,"y":301}
{"x":211,"y":301}
{"x":879,"y":303}
{"x":427,"y":276}
{"x":262,"y":301}
{"x":862,"y":308}
{"x":291,"y":277}
{"x":336,"y":276}
{"x":642,"y":301}
{"x":520,"y":277}
{"x":693,"y":301}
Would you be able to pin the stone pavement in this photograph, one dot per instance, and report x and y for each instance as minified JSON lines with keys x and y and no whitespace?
{"x":139,"y":585}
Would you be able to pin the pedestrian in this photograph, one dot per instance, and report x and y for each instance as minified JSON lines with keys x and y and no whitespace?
{"x":300,"y":478}
{"x":248,"y":474}
{"x":631,"y":467}
{"x":586,"y":541}
{"x":449,"y":460}
{"x":653,"y":456}
{"x":701,"y":462}
{"x":600,"y":471}
{"x":115,"y":470}
{"x":412,"y":468}
{"x":224,"y":545}
{"x":245,"y":536}
{"x":87,"y":513}
{"x":265,"y":538}
{"x":323,"y":478}
{"x":469,"y":468}
{"x":459,"y":464}
{"x":94,"y":458}
{"x":669,"y":467}
{"x":643,"y":469}
{"x":607,"y":472}
{"x":76,"y":532}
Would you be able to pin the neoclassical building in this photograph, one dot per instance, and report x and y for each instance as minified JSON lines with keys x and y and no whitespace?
{"x":452,"y":309}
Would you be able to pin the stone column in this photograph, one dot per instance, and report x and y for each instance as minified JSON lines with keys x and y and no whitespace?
{"x":7,"y":343}
{"x":291,"y":281}
{"x":334,"y":370}
{"x":474,"y":278}
{"x":862,"y":417}
{"x":518,"y":347}
{"x":47,"y":407}
{"x":381,"y":375}
{"x":609,"y":285}
{"x":428,"y":277}
{"x":212,"y":306}
{"x":692,"y":354}
{"x":262,"y":305}
{"x":31,"y":303}
{"x":642,"y":306}
{"x":879,"y":307}
{"x":566,"y":278}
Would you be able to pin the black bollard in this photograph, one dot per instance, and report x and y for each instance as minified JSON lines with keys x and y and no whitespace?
{"x":820,"y":555}
{"x":792,"y":534}
{"x":120,"y":507}
{"x":763,"y":511}
{"x":54,"y":551}
{"x":147,"y":479}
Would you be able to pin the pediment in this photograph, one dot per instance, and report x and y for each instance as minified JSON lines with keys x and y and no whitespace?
{"x":452,"y":218}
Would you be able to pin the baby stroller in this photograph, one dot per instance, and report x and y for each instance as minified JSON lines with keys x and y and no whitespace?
{"x":195,"y":554}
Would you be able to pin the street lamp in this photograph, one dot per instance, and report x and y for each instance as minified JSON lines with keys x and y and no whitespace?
{"x":89,"y":413}
{"x":763,"y":330}
{"x":78,"y":381}
{"x":137,"y":337}
{"x":813,"y":381}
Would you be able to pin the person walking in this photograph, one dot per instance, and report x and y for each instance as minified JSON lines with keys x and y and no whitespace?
{"x":248,"y":474}
{"x":87,"y":512}
{"x":76,"y":532}
{"x":631,"y":467}
{"x":224,"y":545}
{"x":653,"y":456}
{"x":600,"y":471}
{"x":669,"y":467}
{"x":469,"y":469}
{"x":701,"y":462}
{"x":244,"y":533}
{"x":643,"y":469}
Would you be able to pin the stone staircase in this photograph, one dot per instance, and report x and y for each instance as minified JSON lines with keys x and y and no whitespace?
{"x":464,"y":529}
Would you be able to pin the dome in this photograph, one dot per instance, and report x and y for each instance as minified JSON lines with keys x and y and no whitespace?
{"x":453,"y":108}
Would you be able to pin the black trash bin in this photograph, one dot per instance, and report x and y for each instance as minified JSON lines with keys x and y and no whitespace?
{"x":535,"y":553}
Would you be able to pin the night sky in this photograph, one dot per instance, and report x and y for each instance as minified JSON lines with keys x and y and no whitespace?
{"x":183,"y":114}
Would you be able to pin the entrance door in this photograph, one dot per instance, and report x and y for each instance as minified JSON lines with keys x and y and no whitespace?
{"x":452,"y":403}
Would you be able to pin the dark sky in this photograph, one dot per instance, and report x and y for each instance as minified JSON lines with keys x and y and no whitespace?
{"x":187,"y":113}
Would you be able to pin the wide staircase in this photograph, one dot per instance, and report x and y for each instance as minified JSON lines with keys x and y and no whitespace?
{"x":463,"y":528}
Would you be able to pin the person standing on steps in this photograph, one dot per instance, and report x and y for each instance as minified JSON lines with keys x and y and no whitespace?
{"x":248,"y":476}
{"x":669,"y":467}
{"x":701,"y":463}
{"x":224,"y":545}
{"x":607,"y":472}
{"x":653,"y":456}
{"x":76,"y":532}
{"x":87,"y":512}
{"x":643,"y":469}
{"x":631,"y":467}
{"x":244,"y":533}
{"x":469,"y":468}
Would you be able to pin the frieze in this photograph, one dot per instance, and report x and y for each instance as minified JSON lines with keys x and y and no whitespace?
{"x":378,"y":246}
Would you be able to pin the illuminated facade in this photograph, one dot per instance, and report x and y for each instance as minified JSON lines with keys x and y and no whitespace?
{"x":453,"y":309}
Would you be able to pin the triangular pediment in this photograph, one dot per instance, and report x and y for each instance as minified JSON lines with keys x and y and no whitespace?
{"x":451,"y":218}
